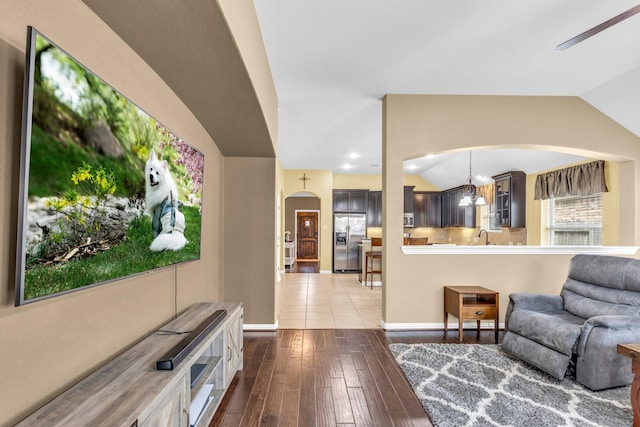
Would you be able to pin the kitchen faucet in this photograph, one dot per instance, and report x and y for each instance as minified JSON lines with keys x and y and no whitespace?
{"x":486,"y":235}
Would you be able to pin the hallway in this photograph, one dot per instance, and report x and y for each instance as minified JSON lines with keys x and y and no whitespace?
{"x":327,"y":301}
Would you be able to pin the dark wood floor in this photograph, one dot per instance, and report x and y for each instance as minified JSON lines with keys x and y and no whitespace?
{"x":327,"y":378}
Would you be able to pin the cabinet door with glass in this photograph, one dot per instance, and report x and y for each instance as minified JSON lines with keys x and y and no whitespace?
{"x":510,"y":198}
{"x":503,"y":199}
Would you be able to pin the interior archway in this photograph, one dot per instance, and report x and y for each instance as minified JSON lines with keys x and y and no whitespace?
{"x":295,"y":204}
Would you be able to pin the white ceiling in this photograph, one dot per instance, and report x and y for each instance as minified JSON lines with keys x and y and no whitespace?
{"x":333,"y":61}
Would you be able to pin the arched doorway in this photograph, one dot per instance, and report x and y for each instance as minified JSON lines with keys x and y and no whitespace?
{"x":302,"y":219}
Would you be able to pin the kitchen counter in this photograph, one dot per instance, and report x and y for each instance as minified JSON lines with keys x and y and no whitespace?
{"x":447,"y":249}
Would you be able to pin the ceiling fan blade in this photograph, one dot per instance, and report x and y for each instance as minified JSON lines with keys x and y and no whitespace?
{"x":595,"y":30}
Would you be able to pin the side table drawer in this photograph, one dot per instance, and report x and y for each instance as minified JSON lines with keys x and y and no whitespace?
{"x":479,"y":312}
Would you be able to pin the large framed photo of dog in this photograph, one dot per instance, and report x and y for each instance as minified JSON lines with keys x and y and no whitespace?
{"x":106,"y":190}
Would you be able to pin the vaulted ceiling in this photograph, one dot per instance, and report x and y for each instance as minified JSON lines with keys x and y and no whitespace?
{"x":333,"y":61}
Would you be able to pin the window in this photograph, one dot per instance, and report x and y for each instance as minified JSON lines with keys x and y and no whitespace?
{"x":488,"y":215}
{"x":572,"y":221}
{"x":488,"y":211}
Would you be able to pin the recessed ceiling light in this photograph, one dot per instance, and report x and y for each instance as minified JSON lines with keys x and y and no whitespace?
{"x":412,"y":167}
{"x":353,"y":155}
{"x":346,"y":166}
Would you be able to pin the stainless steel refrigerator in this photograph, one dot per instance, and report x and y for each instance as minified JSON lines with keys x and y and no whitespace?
{"x":348,"y":231}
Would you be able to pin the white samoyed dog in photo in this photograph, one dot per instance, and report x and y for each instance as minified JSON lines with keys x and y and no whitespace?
{"x":161,"y":196}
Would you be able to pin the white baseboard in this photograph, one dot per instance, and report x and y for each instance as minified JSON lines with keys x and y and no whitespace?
{"x":453,"y":327}
{"x":260,"y":326}
{"x":326,"y":272}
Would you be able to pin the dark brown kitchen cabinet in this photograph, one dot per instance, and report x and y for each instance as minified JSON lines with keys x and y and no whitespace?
{"x":374,"y":209}
{"x":510,"y":198}
{"x":340,"y":201}
{"x":420,"y":208}
{"x":454,"y":215}
{"x":449,"y":208}
{"x":427,"y":207}
{"x":408,"y":198}
{"x":350,"y":200}
{"x":448,"y":214}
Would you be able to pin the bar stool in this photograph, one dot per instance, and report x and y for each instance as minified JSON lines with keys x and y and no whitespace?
{"x":372,"y":255}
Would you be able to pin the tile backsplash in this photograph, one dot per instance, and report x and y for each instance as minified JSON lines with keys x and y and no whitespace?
{"x":466,"y":236}
{"x":461,"y":235}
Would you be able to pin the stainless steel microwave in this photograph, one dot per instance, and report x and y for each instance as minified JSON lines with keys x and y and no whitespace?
{"x":408,"y":220}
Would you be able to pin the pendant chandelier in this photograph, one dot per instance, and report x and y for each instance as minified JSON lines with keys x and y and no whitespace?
{"x":469,"y":195}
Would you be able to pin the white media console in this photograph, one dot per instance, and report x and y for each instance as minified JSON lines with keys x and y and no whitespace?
{"x":131,"y":391}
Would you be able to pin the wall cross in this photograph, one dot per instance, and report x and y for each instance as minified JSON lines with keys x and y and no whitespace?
{"x":304,"y":180}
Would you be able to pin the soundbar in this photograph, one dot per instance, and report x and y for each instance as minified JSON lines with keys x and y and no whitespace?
{"x":179,"y":352}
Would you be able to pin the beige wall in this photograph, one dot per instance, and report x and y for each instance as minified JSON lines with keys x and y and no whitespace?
{"x":249,"y":236}
{"x":417,"y":296}
{"x":374,"y":182}
{"x":49,"y":345}
{"x":320,"y":185}
{"x":355,"y":182}
{"x":280,"y":212}
{"x":419,"y":183}
{"x":418,"y":124}
{"x":301,"y":204}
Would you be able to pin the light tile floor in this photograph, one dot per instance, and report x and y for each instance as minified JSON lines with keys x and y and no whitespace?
{"x":327,"y":301}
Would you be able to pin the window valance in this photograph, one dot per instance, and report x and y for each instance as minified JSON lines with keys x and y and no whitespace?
{"x":487,"y":191}
{"x":580,"y":180}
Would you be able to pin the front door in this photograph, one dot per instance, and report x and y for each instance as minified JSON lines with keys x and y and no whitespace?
{"x":307,"y":239}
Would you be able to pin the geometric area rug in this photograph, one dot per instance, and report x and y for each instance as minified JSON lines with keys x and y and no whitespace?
{"x":480,"y":385}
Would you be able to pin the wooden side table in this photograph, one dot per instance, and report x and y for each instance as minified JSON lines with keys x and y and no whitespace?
{"x":471,"y":302}
{"x":633,"y":351}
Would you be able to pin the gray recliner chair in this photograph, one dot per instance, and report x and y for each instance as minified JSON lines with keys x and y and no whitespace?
{"x":598,"y":308}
